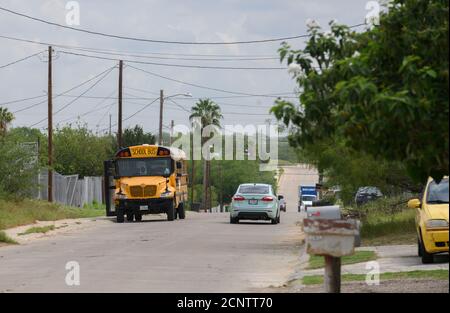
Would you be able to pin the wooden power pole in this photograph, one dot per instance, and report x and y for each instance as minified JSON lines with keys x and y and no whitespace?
{"x":119,"y":123}
{"x":172,"y":126}
{"x":161,"y":106}
{"x":191,"y":141}
{"x":50,"y":128}
{"x":110,"y":124}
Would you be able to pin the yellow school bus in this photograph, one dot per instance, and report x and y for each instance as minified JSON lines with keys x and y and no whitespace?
{"x":146,"y":179}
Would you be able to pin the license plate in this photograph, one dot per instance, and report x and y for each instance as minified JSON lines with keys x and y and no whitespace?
{"x":253,"y":202}
{"x":143,"y":207}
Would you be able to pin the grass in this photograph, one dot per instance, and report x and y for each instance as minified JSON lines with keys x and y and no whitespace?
{"x":359,"y":256}
{"x":387,"y":221}
{"x":389,"y":228}
{"x":5,"y":239}
{"x":38,"y":230}
{"x":433,"y":274}
{"x":18,"y":212}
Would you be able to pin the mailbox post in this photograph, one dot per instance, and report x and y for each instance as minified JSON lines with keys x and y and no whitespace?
{"x":331,"y":239}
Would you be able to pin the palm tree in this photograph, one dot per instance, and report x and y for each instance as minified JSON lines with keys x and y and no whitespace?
{"x":209,"y":113}
{"x":6,"y":118}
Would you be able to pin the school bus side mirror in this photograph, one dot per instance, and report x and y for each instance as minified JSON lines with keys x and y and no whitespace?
{"x":179,"y":165}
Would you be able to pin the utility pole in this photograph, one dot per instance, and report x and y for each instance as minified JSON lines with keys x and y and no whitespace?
{"x":110,"y":124}
{"x":172,"y":126}
{"x":192,"y":166}
{"x":161,"y":105}
{"x":50,"y":127}
{"x":119,"y":131}
{"x":221,"y":185}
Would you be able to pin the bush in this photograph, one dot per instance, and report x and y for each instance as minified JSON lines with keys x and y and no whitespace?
{"x":18,"y":168}
{"x":388,"y":217}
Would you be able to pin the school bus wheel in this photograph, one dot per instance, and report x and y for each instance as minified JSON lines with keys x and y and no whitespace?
{"x":138,"y":217}
{"x":130,"y":216}
{"x":181,"y":212}
{"x":120,"y":216}
{"x":170,"y":211}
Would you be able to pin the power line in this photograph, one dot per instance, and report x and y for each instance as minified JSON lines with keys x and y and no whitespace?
{"x":73,"y":101}
{"x":20,"y":60}
{"x":134,"y":55}
{"x":200,"y":86}
{"x":86,"y":91}
{"x":63,"y":93}
{"x":178,"y":105}
{"x":225,"y":113}
{"x":87,"y":113}
{"x":173,"y":65}
{"x":92,"y":32}
{"x":143,"y":90}
{"x":134,"y":114}
{"x":135,"y":98}
{"x":92,"y":111}
{"x":89,"y":49}
{"x":140,"y":110}
{"x":22,"y":100}
{"x":31,"y":106}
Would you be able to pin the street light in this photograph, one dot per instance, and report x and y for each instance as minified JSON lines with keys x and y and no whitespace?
{"x":161,"y":105}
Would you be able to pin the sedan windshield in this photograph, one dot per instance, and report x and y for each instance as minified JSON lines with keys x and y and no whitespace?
{"x":144,"y":167}
{"x":438,"y":193}
{"x":254,"y":189}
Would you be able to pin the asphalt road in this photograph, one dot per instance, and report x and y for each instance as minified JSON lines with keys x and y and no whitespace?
{"x":294,"y":176}
{"x":203,"y":253}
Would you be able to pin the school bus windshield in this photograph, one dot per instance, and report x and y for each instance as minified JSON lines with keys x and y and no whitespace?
{"x":143,"y":167}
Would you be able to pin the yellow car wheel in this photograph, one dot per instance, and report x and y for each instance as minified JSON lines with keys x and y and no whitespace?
{"x":427,"y":258}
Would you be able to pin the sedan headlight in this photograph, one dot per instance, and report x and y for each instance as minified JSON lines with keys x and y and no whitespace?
{"x":436,"y":224}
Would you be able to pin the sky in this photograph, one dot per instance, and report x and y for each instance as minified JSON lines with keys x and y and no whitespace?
{"x":172,"y":20}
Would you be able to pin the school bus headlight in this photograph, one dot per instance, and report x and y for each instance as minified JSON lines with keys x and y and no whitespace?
{"x":166,"y":194}
{"x":121,"y":196}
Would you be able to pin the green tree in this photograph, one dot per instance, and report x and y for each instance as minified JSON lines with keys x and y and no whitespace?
{"x":6,"y":118}
{"x":350,"y":169}
{"x":26,"y":134}
{"x":18,"y":167}
{"x":384,"y":92}
{"x":79,"y":151}
{"x":209,"y":113}
{"x":136,"y":136}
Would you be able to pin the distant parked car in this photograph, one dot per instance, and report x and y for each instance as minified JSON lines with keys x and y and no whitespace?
{"x":282,"y":203}
{"x":367,"y":194}
{"x":255,"y":202}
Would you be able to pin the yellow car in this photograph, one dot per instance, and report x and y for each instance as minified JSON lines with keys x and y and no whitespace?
{"x":432,"y":219}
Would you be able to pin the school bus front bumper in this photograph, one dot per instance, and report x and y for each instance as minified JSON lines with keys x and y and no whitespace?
{"x":146,"y":206}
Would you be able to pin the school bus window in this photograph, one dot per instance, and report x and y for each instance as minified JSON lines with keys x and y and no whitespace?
{"x":143,"y":167}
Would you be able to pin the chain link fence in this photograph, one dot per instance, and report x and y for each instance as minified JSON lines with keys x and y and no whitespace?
{"x":71,"y":190}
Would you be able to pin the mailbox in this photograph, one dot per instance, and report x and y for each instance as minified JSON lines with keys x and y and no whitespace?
{"x":330,"y":212}
{"x":334,"y":238}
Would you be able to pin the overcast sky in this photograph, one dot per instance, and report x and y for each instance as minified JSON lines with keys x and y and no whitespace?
{"x":175,"y":20}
